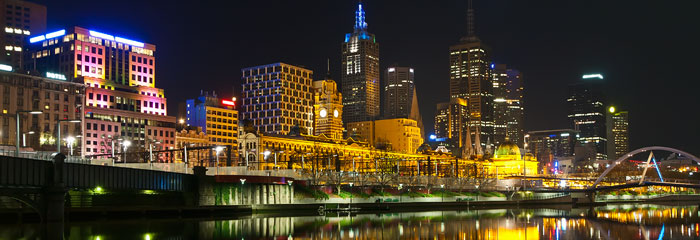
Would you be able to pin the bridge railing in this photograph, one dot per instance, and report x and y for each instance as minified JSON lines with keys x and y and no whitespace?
{"x":43,"y":155}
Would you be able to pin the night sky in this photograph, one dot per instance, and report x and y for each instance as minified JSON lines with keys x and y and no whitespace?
{"x":647,"y":50}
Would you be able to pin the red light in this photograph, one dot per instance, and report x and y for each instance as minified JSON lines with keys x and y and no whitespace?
{"x":228,"y":103}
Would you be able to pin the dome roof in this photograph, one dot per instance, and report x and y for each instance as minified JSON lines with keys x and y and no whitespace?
{"x":507,"y":149}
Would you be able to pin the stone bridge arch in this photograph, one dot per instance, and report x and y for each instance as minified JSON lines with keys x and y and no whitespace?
{"x":641,"y":150}
{"x":34,"y":204}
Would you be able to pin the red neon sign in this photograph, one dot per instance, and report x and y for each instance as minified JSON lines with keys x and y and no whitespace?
{"x":228,"y":103}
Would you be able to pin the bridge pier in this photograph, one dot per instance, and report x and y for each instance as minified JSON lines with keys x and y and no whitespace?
{"x":205,"y":187}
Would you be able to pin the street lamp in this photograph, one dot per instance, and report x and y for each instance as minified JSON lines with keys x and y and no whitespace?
{"x":477,"y":192}
{"x":125,"y":145}
{"x":289,"y":182}
{"x":70,"y":140}
{"x":58,"y":127}
{"x":17,"y":133}
{"x":400,"y":194}
{"x":349,"y":206}
{"x":218,"y":149}
{"x":24,"y":138}
{"x":443,"y":192}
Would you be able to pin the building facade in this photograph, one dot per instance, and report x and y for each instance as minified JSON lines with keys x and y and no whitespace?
{"x":277,"y":97}
{"x":399,"y":134}
{"x":587,"y":112}
{"x":399,"y":90}
{"x":508,"y":108}
{"x":470,"y":78}
{"x":216,"y":117}
{"x":360,"y":73}
{"x":20,"y":19}
{"x":328,"y":109}
{"x":121,"y":101}
{"x":451,"y":121}
{"x":618,"y":133}
{"x":548,"y":145}
{"x":57,"y":100}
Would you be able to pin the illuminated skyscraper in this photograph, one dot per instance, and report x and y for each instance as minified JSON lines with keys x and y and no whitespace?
{"x":277,"y":97}
{"x":328,"y":109}
{"x":470,"y":78}
{"x":20,"y":19}
{"x":586,"y":112}
{"x":451,"y":121}
{"x":398,"y":92}
{"x":121,"y":101}
{"x":618,"y":133}
{"x":360,"y":72}
{"x":508,"y":110}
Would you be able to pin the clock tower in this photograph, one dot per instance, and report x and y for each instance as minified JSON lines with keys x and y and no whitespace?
{"x":328,"y":109}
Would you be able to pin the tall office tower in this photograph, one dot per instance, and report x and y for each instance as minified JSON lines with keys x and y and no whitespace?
{"x":328,"y":109}
{"x":121,"y":101}
{"x":360,"y":72}
{"x":451,"y":120}
{"x":57,"y":99}
{"x":508,"y":110}
{"x":277,"y":97}
{"x":618,"y":133}
{"x":398,"y":92}
{"x":20,"y":19}
{"x":586,"y":112}
{"x":470,"y":78}
{"x":217,"y":117}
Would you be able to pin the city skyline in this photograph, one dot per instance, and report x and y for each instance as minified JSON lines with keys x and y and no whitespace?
{"x":548,"y":73}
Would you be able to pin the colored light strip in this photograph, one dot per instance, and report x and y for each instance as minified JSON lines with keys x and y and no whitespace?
{"x":47,"y":36}
{"x":657,"y":169}
{"x":56,"y":34}
{"x":55,"y":76}
{"x":128,"y":41}
{"x":101,"y":35}
{"x":6,"y":68}
{"x":37,"y":39}
{"x":587,"y":76}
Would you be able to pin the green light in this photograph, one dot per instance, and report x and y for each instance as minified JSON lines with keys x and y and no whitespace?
{"x":612,"y":109}
{"x":98,"y":189}
{"x":147,"y":236}
{"x":148,"y":192}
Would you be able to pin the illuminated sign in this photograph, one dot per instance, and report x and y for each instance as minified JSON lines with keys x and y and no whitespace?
{"x":499,"y":100}
{"x":228,"y":103}
{"x":101,"y":35}
{"x":47,"y":36}
{"x":565,"y":134}
{"x":55,"y":76}
{"x":130,"y":42}
{"x":597,"y":75}
{"x":6,"y":68}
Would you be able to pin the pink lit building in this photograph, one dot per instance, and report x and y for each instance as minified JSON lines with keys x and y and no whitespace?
{"x":121,"y":100}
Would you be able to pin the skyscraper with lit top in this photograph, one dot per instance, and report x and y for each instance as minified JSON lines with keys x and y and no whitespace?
{"x":587,"y":112}
{"x":122,"y":102}
{"x":360,"y":72}
{"x":470,"y":78}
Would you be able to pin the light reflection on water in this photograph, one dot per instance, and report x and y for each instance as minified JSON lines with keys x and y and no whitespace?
{"x":609,"y":222}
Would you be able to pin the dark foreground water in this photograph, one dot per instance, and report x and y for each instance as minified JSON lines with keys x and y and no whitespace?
{"x":610,"y":222}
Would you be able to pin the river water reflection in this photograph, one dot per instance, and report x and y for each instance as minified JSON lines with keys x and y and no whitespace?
{"x":610,"y":222}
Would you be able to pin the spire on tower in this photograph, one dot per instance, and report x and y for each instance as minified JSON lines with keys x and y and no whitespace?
{"x":360,"y":24}
{"x":471,"y":33}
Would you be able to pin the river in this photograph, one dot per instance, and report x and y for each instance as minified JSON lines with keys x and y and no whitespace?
{"x":629,"y":221}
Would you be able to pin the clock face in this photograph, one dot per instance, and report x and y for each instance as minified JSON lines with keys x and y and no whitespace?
{"x":323,"y":113}
{"x":335,"y":113}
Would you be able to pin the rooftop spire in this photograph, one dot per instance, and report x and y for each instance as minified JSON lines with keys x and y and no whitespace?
{"x":471,"y":33}
{"x":360,"y":23}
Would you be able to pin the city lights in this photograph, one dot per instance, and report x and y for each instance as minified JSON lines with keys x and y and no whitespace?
{"x":589,"y":76}
{"x":47,"y":36}
{"x":55,"y":76}
{"x":6,"y":68}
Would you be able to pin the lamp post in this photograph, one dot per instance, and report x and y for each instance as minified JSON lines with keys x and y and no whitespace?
{"x":400,"y":194}
{"x":443,"y":192}
{"x":17,"y":133}
{"x":477,"y":192}
{"x":218,"y":149}
{"x":70,"y":140}
{"x":58,"y":126}
{"x":125,"y":145}
{"x":289,"y":182}
{"x":24,"y":138}
{"x":349,"y":206}
{"x":266,"y":153}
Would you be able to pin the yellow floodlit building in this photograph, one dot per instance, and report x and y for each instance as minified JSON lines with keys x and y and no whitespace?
{"x":507,"y":161}
{"x":397,"y":134}
{"x":328,"y":109}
